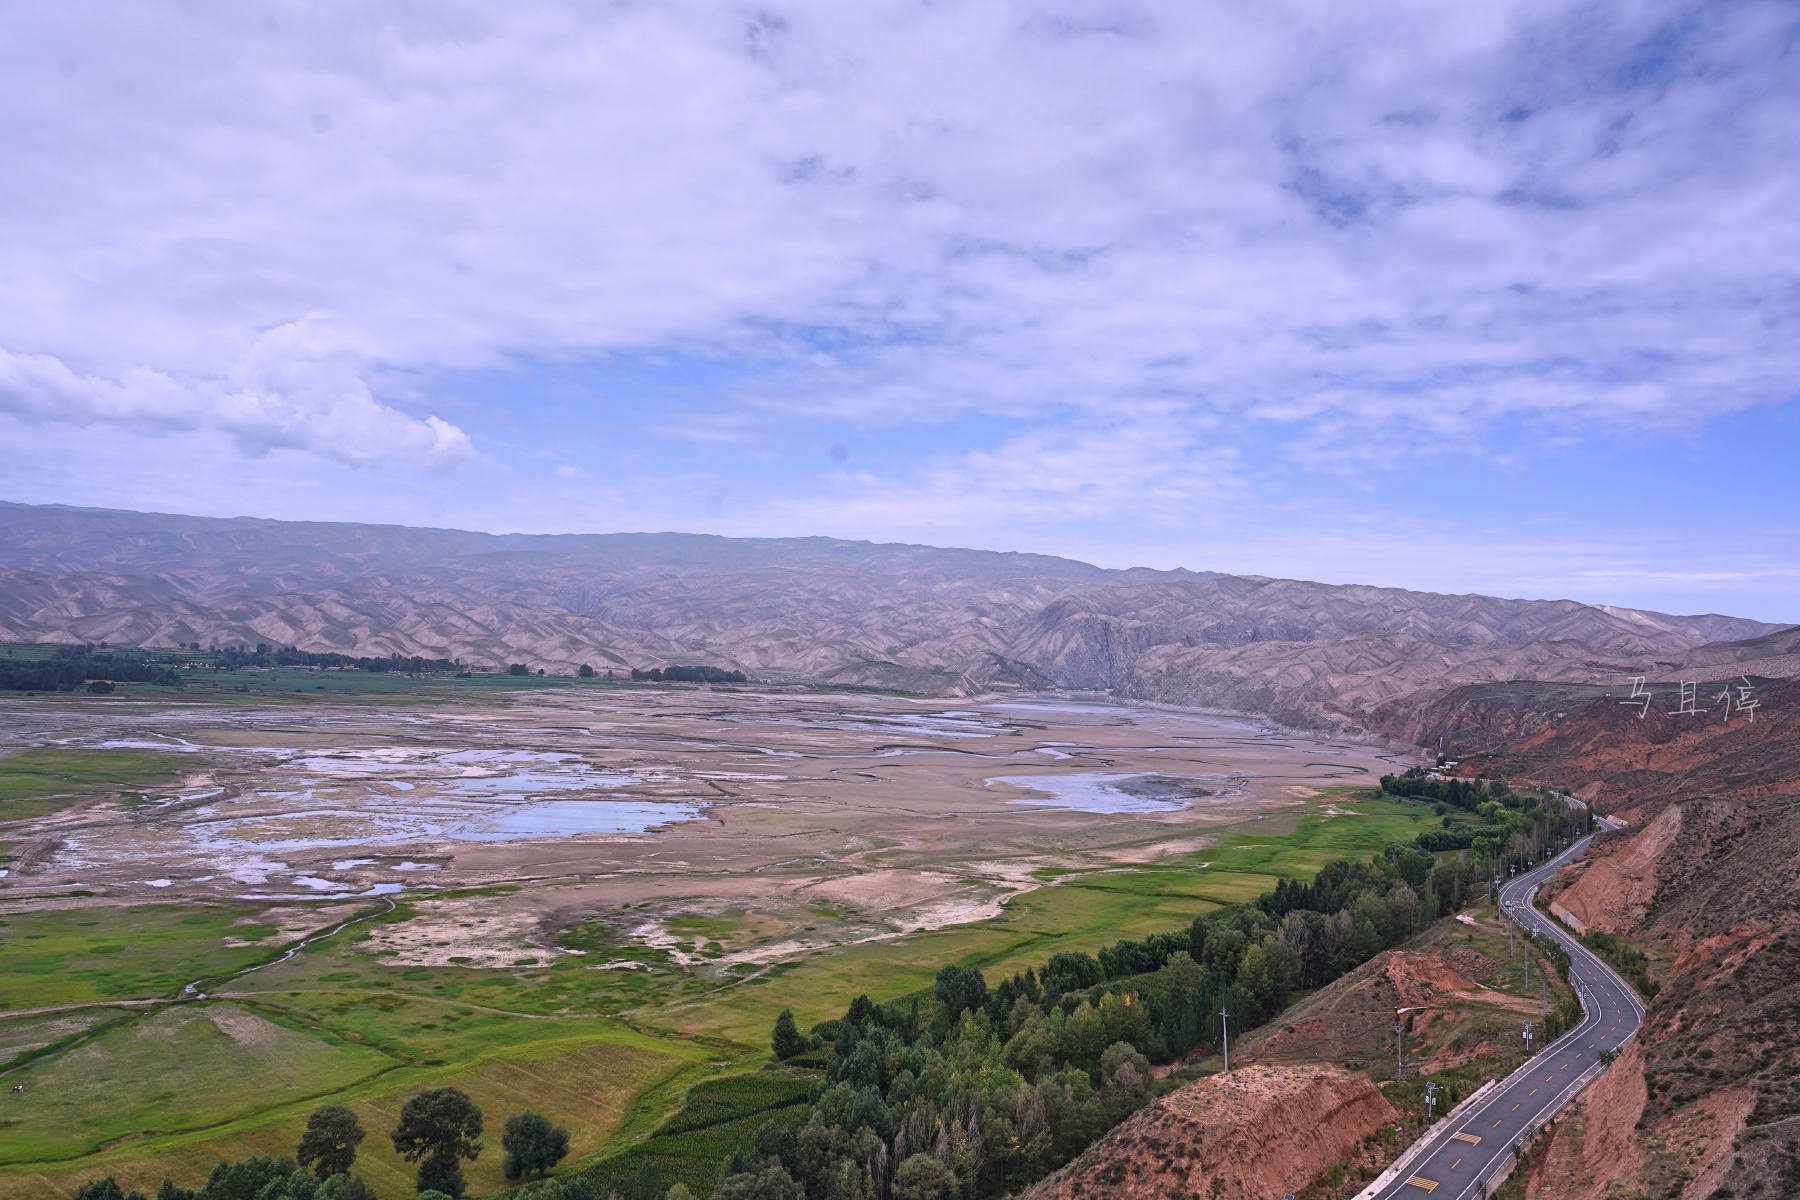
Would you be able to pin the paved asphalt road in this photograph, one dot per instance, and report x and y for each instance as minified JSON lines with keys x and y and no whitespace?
{"x":1455,"y":1165}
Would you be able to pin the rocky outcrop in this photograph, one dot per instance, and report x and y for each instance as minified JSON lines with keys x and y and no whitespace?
{"x":1278,"y":1130}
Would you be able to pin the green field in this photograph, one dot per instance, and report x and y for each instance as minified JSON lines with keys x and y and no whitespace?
{"x":204,"y":680}
{"x":631,"y":1060}
{"x":1084,"y":911}
{"x":183,"y":1067}
{"x":716,"y":1118}
{"x":47,"y":779}
{"x":84,"y":955}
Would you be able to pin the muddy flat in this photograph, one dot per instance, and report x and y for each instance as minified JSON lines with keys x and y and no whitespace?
{"x":914,"y":814}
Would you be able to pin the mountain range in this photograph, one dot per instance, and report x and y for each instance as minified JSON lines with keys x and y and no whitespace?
{"x":913,"y":618}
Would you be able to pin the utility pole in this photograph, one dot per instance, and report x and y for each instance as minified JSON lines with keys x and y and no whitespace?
{"x":1530,"y":1028}
{"x":1431,"y":1091}
{"x":1225,"y":1037}
{"x":1400,"y":1038}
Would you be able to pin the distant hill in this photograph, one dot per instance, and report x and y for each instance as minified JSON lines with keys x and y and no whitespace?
{"x":917,"y":618}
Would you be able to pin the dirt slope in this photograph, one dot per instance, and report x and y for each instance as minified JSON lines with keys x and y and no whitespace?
{"x":1707,"y":1103}
{"x":1351,"y":1020}
{"x":1280,"y":1128}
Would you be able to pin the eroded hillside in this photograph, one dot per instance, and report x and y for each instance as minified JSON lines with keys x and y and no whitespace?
{"x":1278,"y":1130}
{"x":1707,"y":1101}
{"x":912,"y":618}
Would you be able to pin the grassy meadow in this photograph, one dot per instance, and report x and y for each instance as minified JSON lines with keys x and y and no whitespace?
{"x":46,"y":779}
{"x":662,"y":1061}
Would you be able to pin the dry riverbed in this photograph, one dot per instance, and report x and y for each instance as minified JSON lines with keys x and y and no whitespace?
{"x":888,"y":814}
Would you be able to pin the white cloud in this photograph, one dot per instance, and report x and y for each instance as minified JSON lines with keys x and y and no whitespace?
{"x":1166,"y":251}
{"x":290,"y":392}
{"x":1078,"y":202}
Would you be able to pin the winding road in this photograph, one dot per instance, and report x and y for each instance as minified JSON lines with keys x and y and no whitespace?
{"x":1464,"y":1152}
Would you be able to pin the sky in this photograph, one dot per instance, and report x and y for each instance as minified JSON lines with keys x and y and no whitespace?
{"x":1498,"y":297}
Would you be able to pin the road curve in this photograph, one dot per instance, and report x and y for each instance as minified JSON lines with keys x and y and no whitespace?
{"x":1611,"y":1013}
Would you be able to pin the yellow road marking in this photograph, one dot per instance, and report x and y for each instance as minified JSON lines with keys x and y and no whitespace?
{"x":1515,"y":1107}
{"x":1468,"y":1137}
{"x":1532,"y":1092}
{"x":1564,"y":1067}
{"x":1419,"y":1181}
{"x":1456,"y":1164}
{"x":1496,"y":1124}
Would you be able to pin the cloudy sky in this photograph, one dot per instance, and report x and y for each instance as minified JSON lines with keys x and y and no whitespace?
{"x":1497,"y":297}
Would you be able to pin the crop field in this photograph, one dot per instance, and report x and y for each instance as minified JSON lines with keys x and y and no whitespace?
{"x":696,"y":1154}
{"x":623,"y":983}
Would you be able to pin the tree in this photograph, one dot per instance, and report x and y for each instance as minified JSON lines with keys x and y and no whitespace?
{"x":532,"y":1144}
{"x":768,"y":1182}
{"x":243,"y":1180}
{"x":329,"y":1144}
{"x":1125,"y":1080}
{"x":923,"y":1177}
{"x":440,"y":1175}
{"x":585,"y":671}
{"x":959,"y":989}
{"x":517,"y":669}
{"x":104,"y":1189}
{"x":786,"y":1043}
{"x":1182,"y":976}
{"x":438,"y":1127}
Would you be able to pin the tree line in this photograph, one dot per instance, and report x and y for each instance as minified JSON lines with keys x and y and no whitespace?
{"x":233,"y":658}
{"x":1516,"y":829}
{"x":439,"y":1129}
{"x":690,"y":675}
{"x":73,"y":667}
{"x":976,"y":1091}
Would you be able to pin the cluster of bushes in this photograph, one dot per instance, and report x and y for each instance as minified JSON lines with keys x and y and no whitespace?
{"x":1625,"y":958}
{"x":439,"y":1128}
{"x":690,"y":675}
{"x":233,"y":658}
{"x":1516,"y":828}
{"x":1466,"y":794}
{"x":976,"y":1092}
{"x":73,"y":666}
{"x":258,"y":1178}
